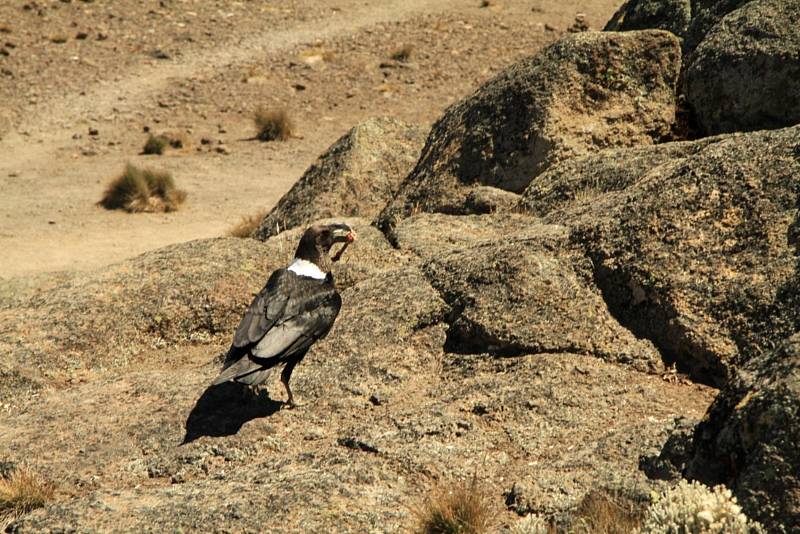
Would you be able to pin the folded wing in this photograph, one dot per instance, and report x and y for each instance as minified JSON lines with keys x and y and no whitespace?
{"x":282,"y":322}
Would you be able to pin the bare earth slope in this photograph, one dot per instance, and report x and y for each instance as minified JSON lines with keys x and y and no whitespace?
{"x":112,"y":325}
{"x":202,"y":70}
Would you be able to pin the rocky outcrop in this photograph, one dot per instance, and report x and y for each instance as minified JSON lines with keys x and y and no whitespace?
{"x":705,"y":15}
{"x":110,"y":316}
{"x":528,"y":294}
{"x":748,"y":440}
{"x":671,"y":15}
{"x":743,"y":74}
{"x":433,"y":235}
{"x":579,"y":95}
{"x":578,"y":181}
{"x":699,"y":252}
{"x":355,"y":177}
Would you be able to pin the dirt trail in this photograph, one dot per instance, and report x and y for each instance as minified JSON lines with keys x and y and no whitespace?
{"x":52,"y":171}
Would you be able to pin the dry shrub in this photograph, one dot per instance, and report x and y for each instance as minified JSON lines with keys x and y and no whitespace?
{"x":247,"y":225}
{"x":59,"y":39}
{"x":273,"y":124}
{"x":403,"y":53}
{"x":142,"y":190}
{"x":20,"y":492}
{"x":455,"y":508}
{"x":607,"y":512}
{"x":156,"y":144}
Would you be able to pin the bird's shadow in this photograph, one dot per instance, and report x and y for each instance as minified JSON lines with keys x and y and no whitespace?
{"x":222,"y":410}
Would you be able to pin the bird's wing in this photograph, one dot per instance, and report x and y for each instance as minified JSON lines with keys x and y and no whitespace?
{"x":284,"y":319}
{"x":310,"y":319}
{"x":265,"y":310}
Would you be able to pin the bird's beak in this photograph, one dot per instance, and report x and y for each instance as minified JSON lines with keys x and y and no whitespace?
{"x":344,"y":235}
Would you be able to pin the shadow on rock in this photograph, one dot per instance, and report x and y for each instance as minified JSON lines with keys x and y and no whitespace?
{"x":222,"y":410}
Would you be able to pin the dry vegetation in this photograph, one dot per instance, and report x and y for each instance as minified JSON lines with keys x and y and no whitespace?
{"x":247,"y":225}
{"x":402,"y":53}
{"x":273,"y":125}
{"x":22,"y":491}
{"x":142,"y":190}
{"x":455,"y":508}
{"x":156,"y":144}
{"x":603,"y":512}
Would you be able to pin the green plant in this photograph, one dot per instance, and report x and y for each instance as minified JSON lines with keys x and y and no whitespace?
{"x":459,"y":508}
{"x":532,"y":524}
{"x":20,"y":492}
{"x":692,"y":508}
{"x":142,"y":190}
{"x":273,"y":124}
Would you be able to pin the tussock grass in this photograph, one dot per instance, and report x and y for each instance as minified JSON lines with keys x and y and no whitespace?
{"x":142,"y":190}
{"x":273,"y":124}
{"x":604,"y":512}
{"x":458,"y":508}
{"x":245,"y":227}
{"x":402,"y":53}
{"x":21,"y":492}
{"x":156,"y":144}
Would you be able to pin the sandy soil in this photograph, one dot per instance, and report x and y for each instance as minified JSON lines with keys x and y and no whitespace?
{"x":201,"y":68}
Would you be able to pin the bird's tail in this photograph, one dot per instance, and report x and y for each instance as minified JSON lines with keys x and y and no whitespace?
{"x":244,"y":371}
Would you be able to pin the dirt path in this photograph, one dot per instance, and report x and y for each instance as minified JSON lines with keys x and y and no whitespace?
{"x":52,"y":171}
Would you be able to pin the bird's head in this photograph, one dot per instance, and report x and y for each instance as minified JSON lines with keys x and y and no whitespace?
{"x":316,"y":243}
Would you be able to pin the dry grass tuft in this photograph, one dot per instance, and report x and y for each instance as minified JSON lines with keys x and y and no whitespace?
{"x":604,"y":512}
{"x":247,"y":225}
{"x":22,"y":492}
{"x":403,"y":53}
{"x":460,"y":508}
{"x":156,"y":144}
{"x":142,"y":190}
{"x":273,"y":124}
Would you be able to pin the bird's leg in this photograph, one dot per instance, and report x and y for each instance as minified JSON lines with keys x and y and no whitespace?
{"x":290,"y":401}
{"x":286,"y":374}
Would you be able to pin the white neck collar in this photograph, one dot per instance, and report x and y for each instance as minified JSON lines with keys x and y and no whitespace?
{"x":307,"y":269}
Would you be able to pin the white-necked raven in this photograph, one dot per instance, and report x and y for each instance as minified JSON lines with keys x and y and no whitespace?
{"x":296,"y":308}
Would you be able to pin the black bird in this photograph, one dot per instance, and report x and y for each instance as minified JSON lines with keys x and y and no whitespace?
{"x":296,"y":308}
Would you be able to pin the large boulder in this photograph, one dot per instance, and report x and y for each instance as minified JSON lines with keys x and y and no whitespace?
{"x":699,"y":252}
{"x":530,"y":294}
{"x":748,"y":439}
{"x":355,"y":177}
{"x":705,"y":15}
{"x":743,"y":75}
{"x":671,"y":15}
{"x":579,"y":180}
{"x":583,"y":93}
{"x":433,"y":235}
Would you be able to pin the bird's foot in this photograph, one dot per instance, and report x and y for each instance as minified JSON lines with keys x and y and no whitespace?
{"x":291,"y":403}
